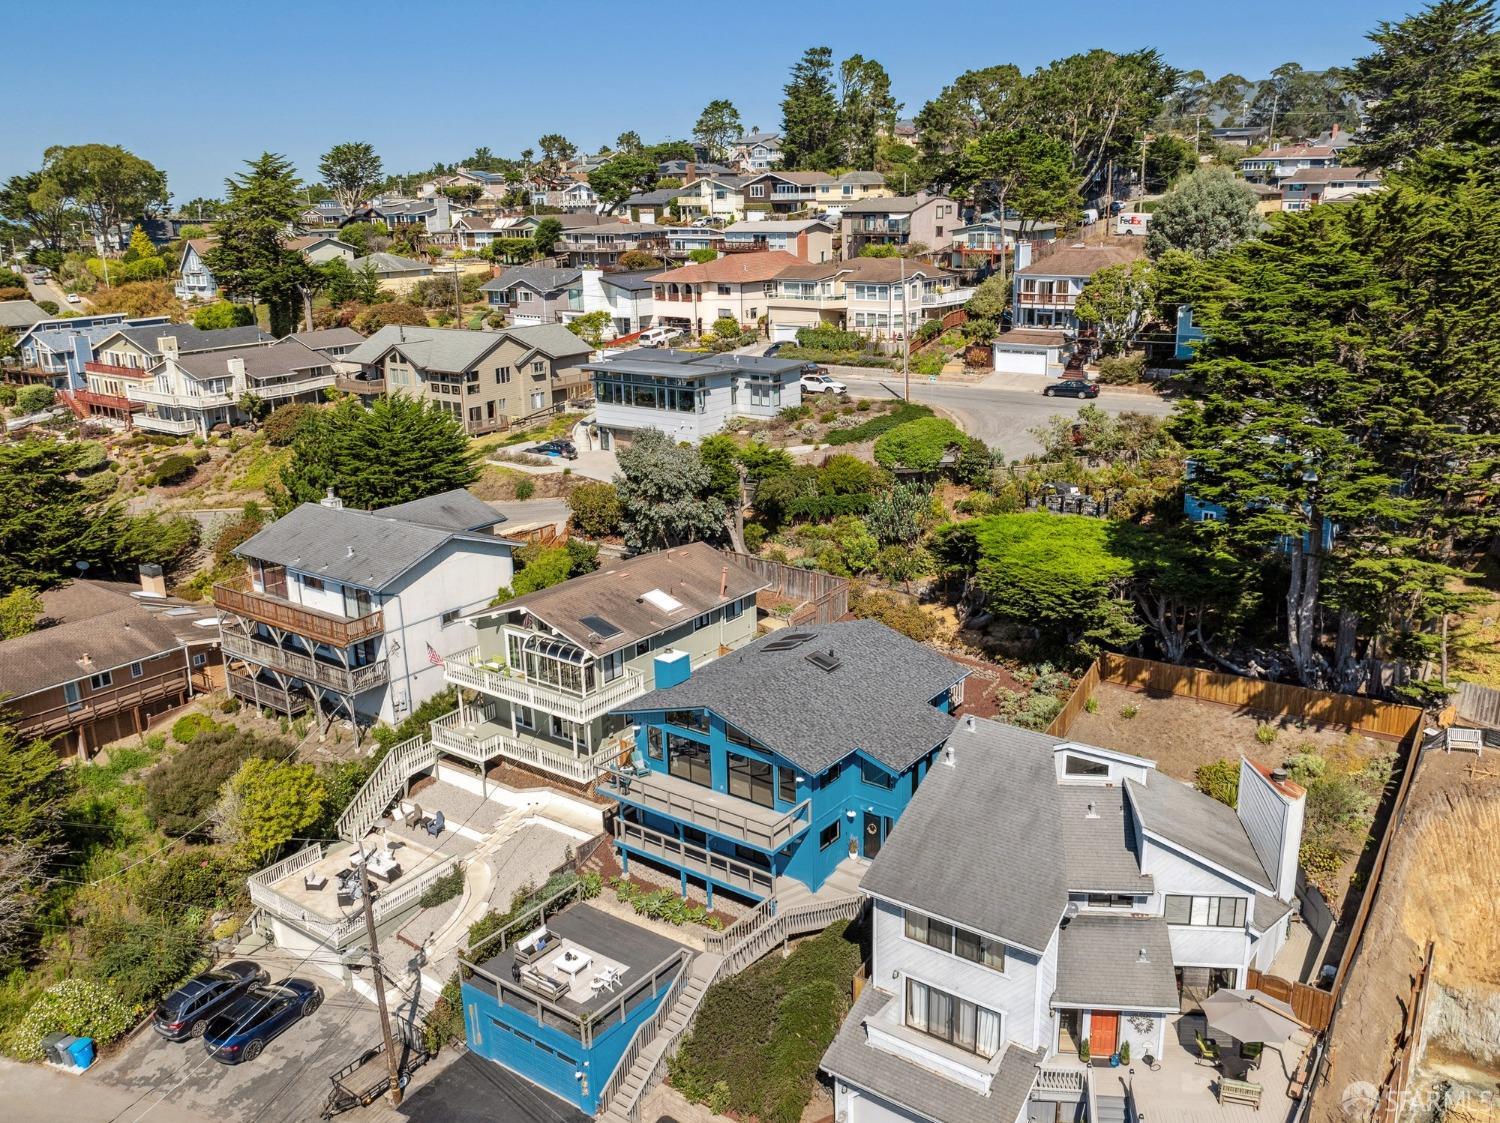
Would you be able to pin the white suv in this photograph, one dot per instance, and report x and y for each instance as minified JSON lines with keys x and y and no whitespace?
{"x":813,"y":383}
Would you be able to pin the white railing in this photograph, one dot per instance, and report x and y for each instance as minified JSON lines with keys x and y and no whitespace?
{"x":177,"y":426}
{"x":390,"y":775}
{"x":1090,"y":1096}
{"x":644,"y":1034}
{"x":451,"y":737}
{"x":464,"y":669}
{"x":1069,"y":1081}
{"x":695,"y":859}
{"x":287,"y":389}
{"x":169,"y":398}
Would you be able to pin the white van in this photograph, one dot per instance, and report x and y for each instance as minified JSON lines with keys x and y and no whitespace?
{"x":1133,"y":223}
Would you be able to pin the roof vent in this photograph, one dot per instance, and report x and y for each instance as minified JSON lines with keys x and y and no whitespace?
{"x":1280,"y":775}
{"x":824,"y":660}
{"x":969,"y":722}
{"x":350,"y":551}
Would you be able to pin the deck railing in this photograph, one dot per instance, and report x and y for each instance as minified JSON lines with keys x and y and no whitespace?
{"x":390,"y":776}
{"x":724,"y":820}
{"x":644,"y":1034}
{"x":465,"y":669}
{"x":450,"y":735}
{"x":696,"y":859}
{"x":346,"y":680}
{"x":264,"y":696}
{"x":240,"y":598}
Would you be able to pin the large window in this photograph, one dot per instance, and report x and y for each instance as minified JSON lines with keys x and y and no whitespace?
{"x":751,"y":779}
{"x":952,"y":1019}
{"x":876,"y":776}
{"x":689,"y":719}
{"x":786,"y":785}
{"x":954,"y":940}
{"x":1083,"y":766}
{"x":1206,"y":912}
{"x":689,"y":760}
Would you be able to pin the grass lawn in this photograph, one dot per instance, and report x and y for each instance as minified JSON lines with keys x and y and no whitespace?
{"x":760,"y":1034}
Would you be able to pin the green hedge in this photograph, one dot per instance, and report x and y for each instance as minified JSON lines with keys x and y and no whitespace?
{"x":869,"y":430}
{"x":755,"y":1047}
{"x":831,"y":339}
{"x":918,"y":444}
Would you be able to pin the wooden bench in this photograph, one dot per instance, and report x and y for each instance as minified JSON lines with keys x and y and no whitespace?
{"x":1239,"y":1092}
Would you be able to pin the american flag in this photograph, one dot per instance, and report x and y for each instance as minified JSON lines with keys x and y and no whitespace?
{"x":433,"y":657}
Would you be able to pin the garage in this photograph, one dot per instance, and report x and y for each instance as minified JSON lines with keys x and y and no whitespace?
{"x":784,"y":333}
{"x":1034,"y":351}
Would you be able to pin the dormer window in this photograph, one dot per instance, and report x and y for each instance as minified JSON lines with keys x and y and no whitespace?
{"x":1082,"y":766}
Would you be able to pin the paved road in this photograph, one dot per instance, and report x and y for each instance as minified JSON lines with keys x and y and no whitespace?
{"x":51,"y":290}
{"x":1000,"y":410}
{"x":524,"y":513}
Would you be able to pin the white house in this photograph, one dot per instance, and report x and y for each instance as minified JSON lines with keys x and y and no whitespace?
{"x":626,"y":296}
{"x":1046,"y":290}
{"x":194,"y":391}
{"x":349,"y":614}
{"x":1038,"y":893}
{"x":688,"y":395}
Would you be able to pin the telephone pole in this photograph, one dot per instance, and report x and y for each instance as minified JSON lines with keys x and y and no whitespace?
{"x":905,"y":331}
{"x":392,"y":1062}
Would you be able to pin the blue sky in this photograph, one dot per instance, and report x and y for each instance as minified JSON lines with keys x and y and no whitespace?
{"x":198,"y":87}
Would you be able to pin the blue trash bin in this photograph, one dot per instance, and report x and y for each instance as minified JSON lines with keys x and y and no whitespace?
{"x":82,"y":1051}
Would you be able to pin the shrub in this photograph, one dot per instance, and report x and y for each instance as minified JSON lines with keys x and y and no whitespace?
{"x":875,"y":426}
{"x":526,"y":488}
{"x":1091,"y":705}
{"x":141,"y":962}
{"x":76,"y":1006}
{"x":48,"y":306}
{"x":1335,"y":801}
{"x":595,"y":509}
{"x":188,"y":727}
{"x":172,"y":469}
{"x":1304,"y":768}
{"x":1265,"y":733}
{"x":919,"y":444}
{"x":445,"y":888}
{"x":828,"y":338}
{"x":755,"y":537}
{"x":1220,"y":779}
{"x":34,"y":399}
{"x":1129,"y":710}
{"x":7,"y":396}
{"x":283,"y":422}
{"x":1122,"y":370}
{"x":195,"y":878}
{"x":897,"y":613}
{"x":1321,"y":858}
{"x":181,"y":792}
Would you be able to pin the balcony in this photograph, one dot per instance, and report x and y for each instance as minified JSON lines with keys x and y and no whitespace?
{"x":813,"y":300}
{"x":103,"y":703}
{"x":117,"y":371}
{"x":177,"y":426}
{"x":695,"y":859}
{"x":349,"y":384}
{"x":334,"y":676}
{"x":181,"y":401}
{"x":241,"y":599}
{"x":96,"y":400}
{"x":953,"y":298}
{"x":498,"y":681}
{"x":264,"y":696}
{"x":273,"y":390}
{"x":1048,"y":299}
{"x":478,"y":736}
{"x":708,"y":810}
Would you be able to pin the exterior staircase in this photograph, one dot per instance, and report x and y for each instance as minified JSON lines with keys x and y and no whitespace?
{"x":628,"y":1087}
{"x":387,"y":782}
{"x":1112,"y":1109}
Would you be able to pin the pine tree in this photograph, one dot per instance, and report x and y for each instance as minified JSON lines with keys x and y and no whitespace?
{"x":47,"y":523}
{"x":398,"y":450}
{"x":867,"y":111}
{"x":810,"y":113}
{"x":251,"y":260}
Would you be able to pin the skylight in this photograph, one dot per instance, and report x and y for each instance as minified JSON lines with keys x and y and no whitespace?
{"x":823,"y":660}
{"x":658,"y":599}
{"x":599,"y":626}
{"x":788,"y":640}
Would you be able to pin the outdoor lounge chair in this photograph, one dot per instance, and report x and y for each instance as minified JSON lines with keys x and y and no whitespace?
{"x":638,"y":766}
{"x":1208,"y":1051}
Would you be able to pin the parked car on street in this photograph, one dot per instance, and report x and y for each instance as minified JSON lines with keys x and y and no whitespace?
{"x":1072,"y":388}
{"x":74,"y":298}
{"x":564,"y":449}
{"x":186,"y":1011}
{"x":240,"y":1031}
{"x":818,"y":383}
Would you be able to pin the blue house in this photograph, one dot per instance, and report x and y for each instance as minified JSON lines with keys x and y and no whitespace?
{"x":59,"y":348}
{"x":560,"y":1004}
{"x":783,"y":759}
{"x":1187,"y":335}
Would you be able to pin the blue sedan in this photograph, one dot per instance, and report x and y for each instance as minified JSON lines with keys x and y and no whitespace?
{"x":240,"y":1031}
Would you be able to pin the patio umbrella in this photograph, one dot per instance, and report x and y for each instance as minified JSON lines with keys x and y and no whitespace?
{"x":1248,"y":1015}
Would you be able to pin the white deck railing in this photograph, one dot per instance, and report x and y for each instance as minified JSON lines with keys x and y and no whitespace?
{"x":464,"y":669}
{"x":390,"y":776}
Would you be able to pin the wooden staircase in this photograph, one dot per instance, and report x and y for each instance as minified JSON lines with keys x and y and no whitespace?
{"x":387,"y":782}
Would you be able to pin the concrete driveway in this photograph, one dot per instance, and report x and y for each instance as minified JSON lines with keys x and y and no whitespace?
{"x":288,"y":1083}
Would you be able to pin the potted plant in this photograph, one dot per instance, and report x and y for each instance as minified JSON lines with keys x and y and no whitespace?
{"x":1114,"y":1060}
{"x":1124,"y":1052}
{"x":1083,"y":1051}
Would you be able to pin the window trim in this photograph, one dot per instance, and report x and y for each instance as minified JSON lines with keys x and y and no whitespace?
{"x":1212,"y":907}
{"x":923,"y":934}
{"x":825,"y":840}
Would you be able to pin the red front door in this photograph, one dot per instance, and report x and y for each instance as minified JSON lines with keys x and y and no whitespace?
{"x":1104,"y":1033}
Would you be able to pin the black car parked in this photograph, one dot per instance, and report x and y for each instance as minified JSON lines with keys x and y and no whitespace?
{"x":565,"y":449}
{"x":1072,"y":388}
{"x":240,"y":1031}
{"x":186,"y":1011}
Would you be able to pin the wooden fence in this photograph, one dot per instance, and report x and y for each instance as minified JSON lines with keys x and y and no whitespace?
{"x":1370,"y":716}
{"x":820,"y":598}
{"x":1311,"y":1005}
{"x":1059,"y":726}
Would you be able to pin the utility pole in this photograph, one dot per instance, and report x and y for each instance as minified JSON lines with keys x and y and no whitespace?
{"x":1197,"y":131}
{"x":1143,"y":165}
{"x":1275,"y":105}
{"x":905,"y":332}
{"x":392,"y":1062}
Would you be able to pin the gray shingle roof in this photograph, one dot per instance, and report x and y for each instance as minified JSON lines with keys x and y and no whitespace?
{"x":360,"y":548}
{"x":878,"y":699}
{"x":21,"y":313}
{"x":388,"y":263}
{"x":190,"y":338}
{"x":1268,"y":910}
{"x":554,"y":340}
{"x":1097,"y":855}
{"x":895,"y":204}
{"x":284,"y":357}
{"x":445,"y":349}
{"x":920,"y":1090}
{"x":654,"y":198}
{"x":978,"y":844}
{"x":691,"y":574}
{"x":459,"y":509}
{"x":328,"y":337}
{"x":638,"y":280}
{"x":538,"y":277}
{"x":1099,"y":963}
{"x":1197,"y":823}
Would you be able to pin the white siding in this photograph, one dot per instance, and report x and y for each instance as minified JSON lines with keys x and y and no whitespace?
{"x":854,"y":1106}
{"x":1177,"y":873}
{"x":1012,"y":994}
{"x":1046,"y":1018}
{"x":1274,"y":824}
{"x":1208,"y":947}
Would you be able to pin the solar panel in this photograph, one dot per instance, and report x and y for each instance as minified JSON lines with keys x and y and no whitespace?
{"x":787,"y":641}
{"x":600,"y":626}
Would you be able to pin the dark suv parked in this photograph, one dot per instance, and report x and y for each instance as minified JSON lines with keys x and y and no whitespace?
{"x":186,"y":1011}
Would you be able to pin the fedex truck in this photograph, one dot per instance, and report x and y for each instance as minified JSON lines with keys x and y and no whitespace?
{"x":1134,"y":223}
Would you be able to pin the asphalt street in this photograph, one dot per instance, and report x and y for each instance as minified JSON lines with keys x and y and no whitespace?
{"x":1000,"y":410}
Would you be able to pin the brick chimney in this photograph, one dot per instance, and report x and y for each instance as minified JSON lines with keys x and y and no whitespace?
{"x":690,"y":173}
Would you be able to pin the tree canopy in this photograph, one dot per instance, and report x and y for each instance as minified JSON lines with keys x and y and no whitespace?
{"x":250,"y":259}
{"x":351,"y":170}
{"x":665,"y":494}
{"x":717,"y":128}
{"x":1208,"y":213}
{"x":109,"y":184}
{"x":398,"y":450}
